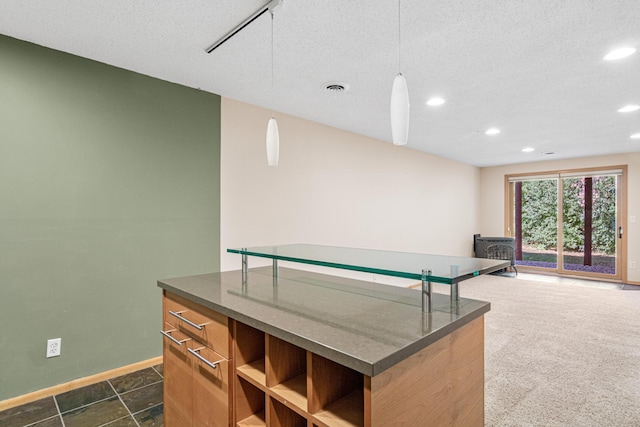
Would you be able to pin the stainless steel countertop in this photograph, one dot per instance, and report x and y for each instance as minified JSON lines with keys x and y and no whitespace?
{"x":365,"y":326}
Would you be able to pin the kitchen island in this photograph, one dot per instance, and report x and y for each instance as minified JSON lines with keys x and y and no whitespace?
{"x":298,"y":348}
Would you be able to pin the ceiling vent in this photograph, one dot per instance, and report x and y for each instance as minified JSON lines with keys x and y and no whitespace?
{"x":335,"y":87}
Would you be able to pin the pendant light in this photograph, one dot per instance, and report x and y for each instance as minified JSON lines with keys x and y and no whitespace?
{"x":399,"y":102}
{"x":273,"y":137}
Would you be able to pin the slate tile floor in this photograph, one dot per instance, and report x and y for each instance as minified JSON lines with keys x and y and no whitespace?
{"x":133,"y":400}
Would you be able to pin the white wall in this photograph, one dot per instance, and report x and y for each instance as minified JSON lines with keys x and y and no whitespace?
{"x":492,"y":191}
{"x":337,"y":188}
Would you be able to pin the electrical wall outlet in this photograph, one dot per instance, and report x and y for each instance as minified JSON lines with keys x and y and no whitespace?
{"x":53,"y":347}
{"x":632,"y":264}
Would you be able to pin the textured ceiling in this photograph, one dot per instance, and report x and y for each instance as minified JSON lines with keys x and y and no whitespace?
{"x":533,"y":69}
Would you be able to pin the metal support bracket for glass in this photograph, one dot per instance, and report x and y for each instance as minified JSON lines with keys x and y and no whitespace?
{"x":426,"y":323}
{"x":455,"y":296}
{"x":245,"y":267}
{"x":275,"y":271}
{"x":245,"y":270}
{"x":427,"y":300}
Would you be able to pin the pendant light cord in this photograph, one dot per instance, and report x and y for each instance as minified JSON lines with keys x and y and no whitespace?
{"x":272,"y":89}
{"x":399,"y":38}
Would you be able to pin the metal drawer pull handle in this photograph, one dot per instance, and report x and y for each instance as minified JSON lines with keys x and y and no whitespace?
{"x":214,"y":365}
{"x":168,"y":335}
{"x":195,"y":325}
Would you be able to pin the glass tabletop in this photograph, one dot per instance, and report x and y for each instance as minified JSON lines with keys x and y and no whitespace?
{"x":444,"y":269}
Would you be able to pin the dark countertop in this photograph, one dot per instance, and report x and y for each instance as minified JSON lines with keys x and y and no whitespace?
{"x":365,"y":326}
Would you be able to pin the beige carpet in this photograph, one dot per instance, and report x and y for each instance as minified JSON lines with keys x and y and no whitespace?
{"x":559,"y":355}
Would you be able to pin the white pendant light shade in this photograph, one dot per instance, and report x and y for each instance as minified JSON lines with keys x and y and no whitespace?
{"x":273,"y":143}
{"x":400,"y":111}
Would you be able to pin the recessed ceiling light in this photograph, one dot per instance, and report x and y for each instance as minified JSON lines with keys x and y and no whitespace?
{"x":492,"y":131}
{"x":549,"y":153}
{"x":528,"y":149}
{"x":635,"y":136}
{"x":434,"y":102}
{"x":619,"y":53}
{"x":629,"y":108}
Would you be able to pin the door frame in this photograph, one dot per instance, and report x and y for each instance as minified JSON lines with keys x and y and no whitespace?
{"x":621,"y":221}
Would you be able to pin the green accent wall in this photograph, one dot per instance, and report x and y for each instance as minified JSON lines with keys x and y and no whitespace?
{"x":109,"y":181}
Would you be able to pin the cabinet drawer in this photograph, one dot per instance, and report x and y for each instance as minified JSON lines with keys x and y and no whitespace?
{"x":202,"y":324}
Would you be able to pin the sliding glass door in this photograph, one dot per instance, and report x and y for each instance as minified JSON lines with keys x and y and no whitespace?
{"x":535,"y":222}
{"x":568,"y":222}
{"x":589,"y":229}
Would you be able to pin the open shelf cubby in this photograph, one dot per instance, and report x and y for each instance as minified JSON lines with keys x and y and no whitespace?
{"x":250,"y":354}
{"x":281,"y":416}
{"x":250,"y":404}
{"x":338,"y":393}
{"x":287,"y":371}
{"x":281,"y":384}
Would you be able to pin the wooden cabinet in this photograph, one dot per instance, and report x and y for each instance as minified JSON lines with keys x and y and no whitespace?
{"x":196,"y":365}
{"x":263,"y":380}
